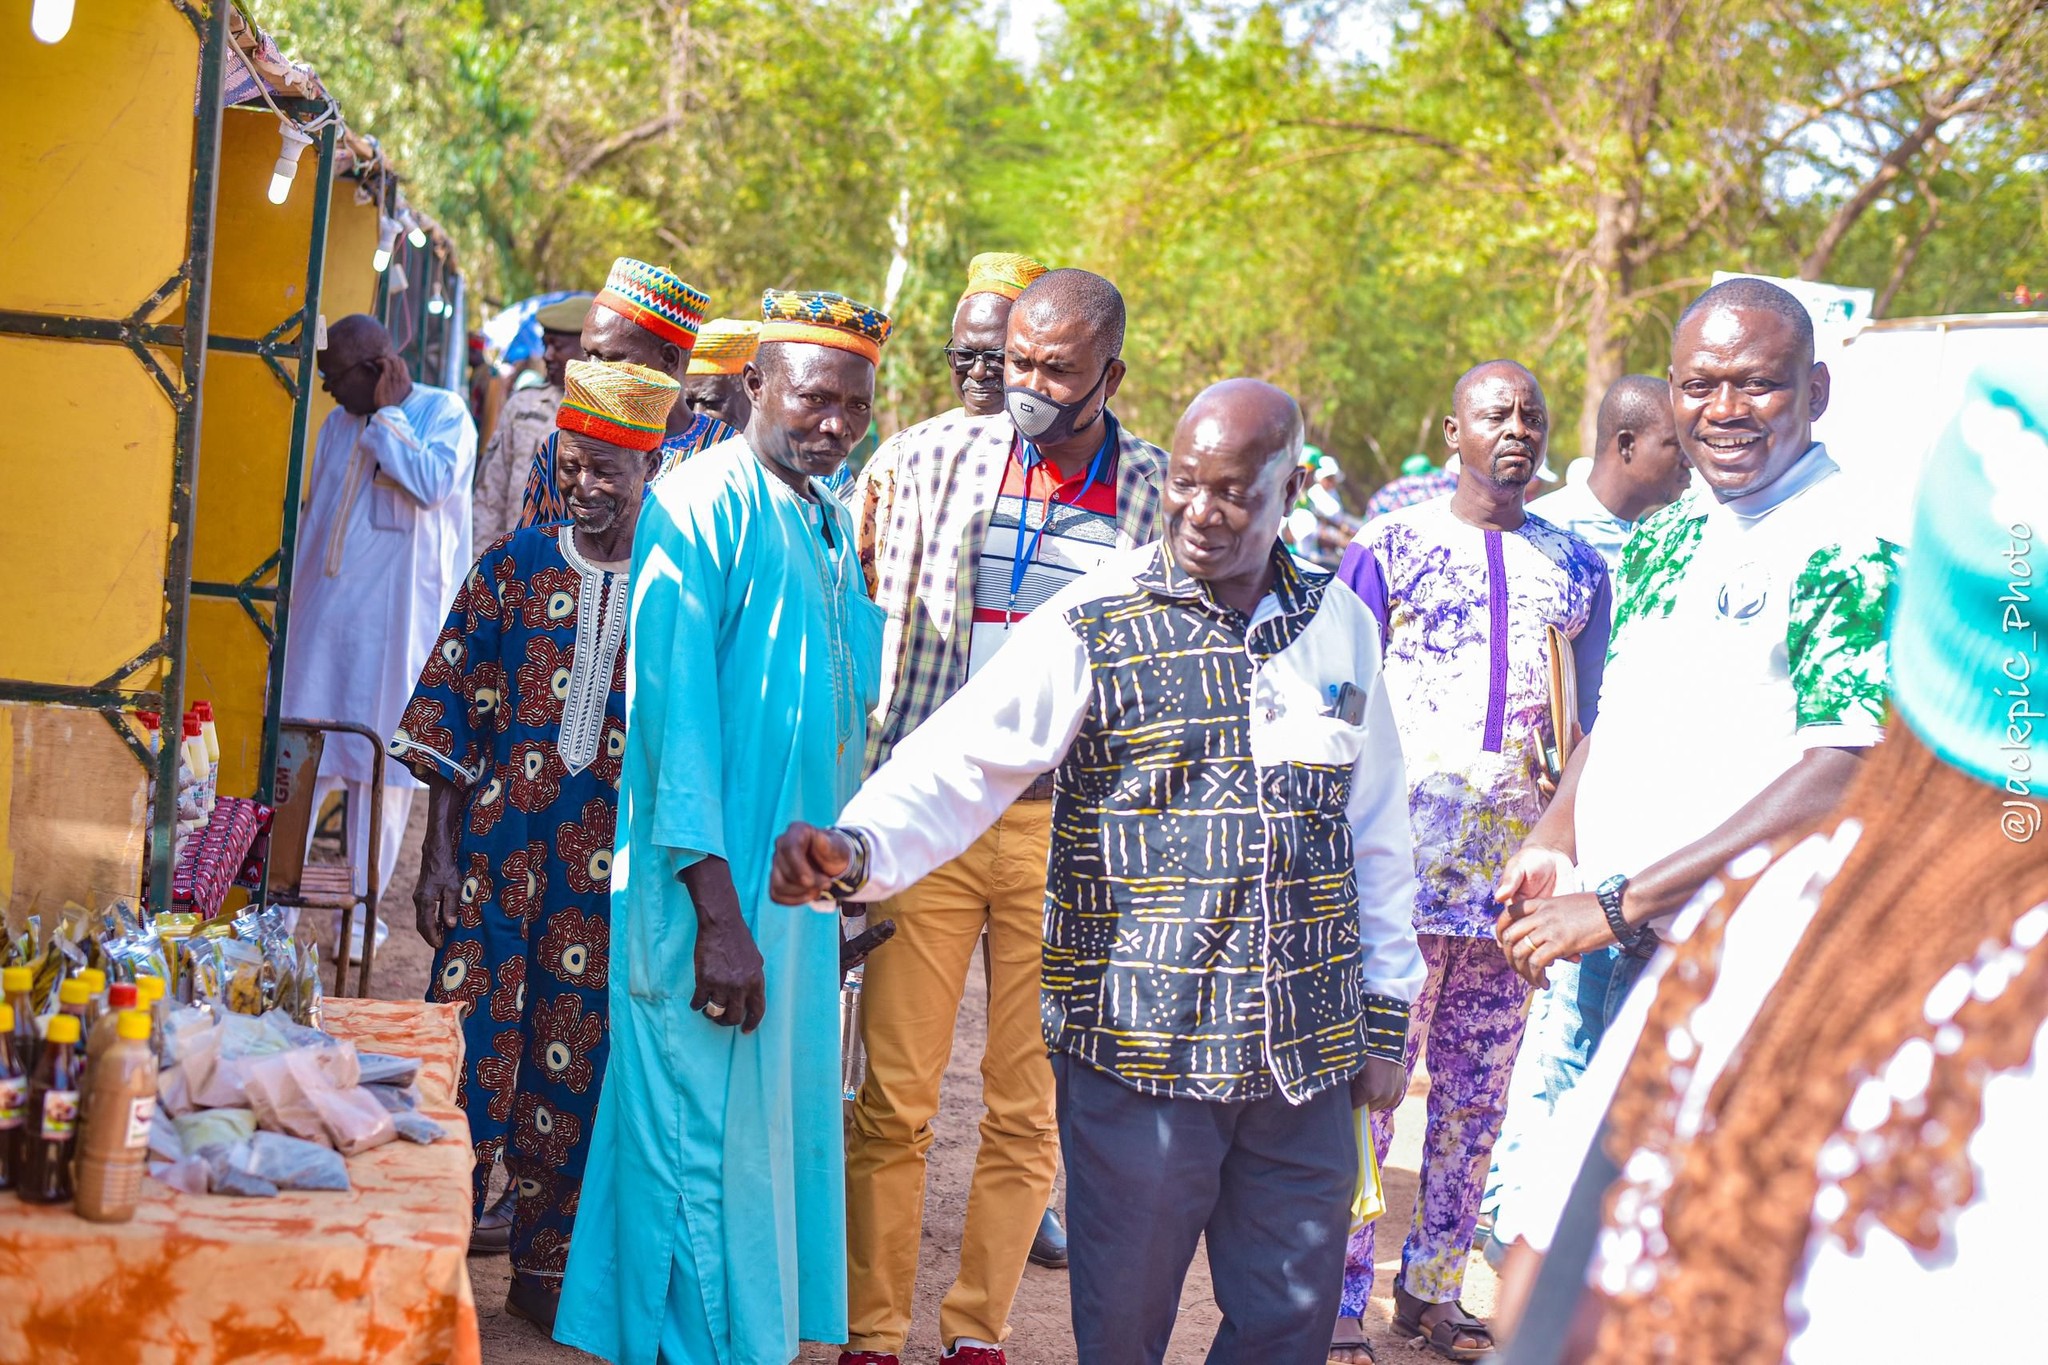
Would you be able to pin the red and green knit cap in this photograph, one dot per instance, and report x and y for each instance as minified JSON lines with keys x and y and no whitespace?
{"x":655,"y":299}
{"x":621,"y":404}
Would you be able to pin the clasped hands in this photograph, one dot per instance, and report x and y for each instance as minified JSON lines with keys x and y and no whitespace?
{"x":1537,"y":926}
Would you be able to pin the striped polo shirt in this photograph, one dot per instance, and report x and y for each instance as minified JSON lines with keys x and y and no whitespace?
{"x":1059,"y":529}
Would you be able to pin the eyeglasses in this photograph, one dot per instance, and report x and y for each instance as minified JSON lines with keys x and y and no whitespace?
{"x":331,"y":380}
{"x":963,"y":358}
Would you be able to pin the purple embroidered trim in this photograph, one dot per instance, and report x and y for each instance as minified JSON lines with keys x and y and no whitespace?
{"x":1497,"y":642}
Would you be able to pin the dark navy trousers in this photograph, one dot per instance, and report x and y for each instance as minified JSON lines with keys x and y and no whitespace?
{"x":1269,"y":1183}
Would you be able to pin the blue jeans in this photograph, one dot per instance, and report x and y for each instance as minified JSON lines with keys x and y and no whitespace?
{"x":1566,"y":1023}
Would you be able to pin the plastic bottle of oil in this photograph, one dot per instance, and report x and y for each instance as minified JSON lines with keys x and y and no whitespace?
{"x":18,"y":983}
{"x":96,"y":996}
{"x":115,"y":1148}
{"x":149,"y":991}
{"x":13,"y":1101}
{"x":51,"y":1129}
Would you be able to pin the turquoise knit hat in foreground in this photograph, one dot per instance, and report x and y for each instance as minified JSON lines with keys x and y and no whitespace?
{"x":1968,"y":668}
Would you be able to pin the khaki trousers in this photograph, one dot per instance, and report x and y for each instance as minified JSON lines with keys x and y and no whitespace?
{"x":910,"y":998}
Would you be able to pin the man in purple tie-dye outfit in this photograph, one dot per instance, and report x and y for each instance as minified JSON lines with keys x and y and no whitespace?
{"x":1464,"y":588}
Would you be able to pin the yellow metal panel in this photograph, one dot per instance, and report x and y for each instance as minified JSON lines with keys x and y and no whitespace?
{"x":88,"y":465}
{"x":229,"y":666}
{"x":96,"y":155}
{"x":259,"y":262}
{"x":349,"y":284}
{"x":244,"y":436}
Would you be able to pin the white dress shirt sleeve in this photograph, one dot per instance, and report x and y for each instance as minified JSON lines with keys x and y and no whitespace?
{"x":429,"y":464}
{"x":1384,"y":851}
{"x":953,"y":776}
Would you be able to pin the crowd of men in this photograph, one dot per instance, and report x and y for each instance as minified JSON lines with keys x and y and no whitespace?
{"x":1244,"y":842}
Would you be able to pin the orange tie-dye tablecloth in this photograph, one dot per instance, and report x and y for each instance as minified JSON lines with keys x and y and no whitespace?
{"x":314,"y":1278}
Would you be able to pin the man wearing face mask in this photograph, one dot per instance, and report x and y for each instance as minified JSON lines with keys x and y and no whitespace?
{"x":1466,"y":590}
{"x":974,"y":359}
{"x":1227,"y":937}
{"x":712,"y":1227}
{"x":993,"y":513}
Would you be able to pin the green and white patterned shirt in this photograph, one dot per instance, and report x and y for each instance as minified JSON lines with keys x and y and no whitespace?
{"x":1747,"y":632}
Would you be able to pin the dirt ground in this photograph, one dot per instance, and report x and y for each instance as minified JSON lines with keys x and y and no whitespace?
{"x":1040,"y":1330}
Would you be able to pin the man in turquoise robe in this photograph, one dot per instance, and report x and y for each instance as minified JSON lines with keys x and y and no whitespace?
{"x":712,"y":1229}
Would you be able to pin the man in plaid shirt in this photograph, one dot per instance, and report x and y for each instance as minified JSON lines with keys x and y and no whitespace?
{"x":970,"y":523}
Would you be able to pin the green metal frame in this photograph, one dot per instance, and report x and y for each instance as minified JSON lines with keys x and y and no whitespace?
{"x":138,"y":333}
{"x":274,"y":347}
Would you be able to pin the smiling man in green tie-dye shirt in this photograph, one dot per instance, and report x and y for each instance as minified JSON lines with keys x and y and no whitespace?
{"x":1748,"y":672}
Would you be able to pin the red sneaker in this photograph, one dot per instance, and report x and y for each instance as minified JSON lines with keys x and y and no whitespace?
{"x":975,"y":1355}
{"x":868,"y":1358}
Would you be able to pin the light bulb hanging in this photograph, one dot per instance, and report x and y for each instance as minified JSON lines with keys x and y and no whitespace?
{"x":438,"y":303}
{"x":414,"y":233}
{"x":292,"y":144}
{"x":387,"y":241}
{"x":50,"y":20}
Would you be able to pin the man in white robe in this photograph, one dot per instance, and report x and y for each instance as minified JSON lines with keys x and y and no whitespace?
{"x":383,"y":544}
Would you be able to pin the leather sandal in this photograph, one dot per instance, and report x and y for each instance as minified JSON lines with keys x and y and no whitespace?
{"x":1445,"y":1328}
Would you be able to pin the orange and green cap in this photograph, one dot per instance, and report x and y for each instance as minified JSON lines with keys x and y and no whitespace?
{"x":624,"y":405}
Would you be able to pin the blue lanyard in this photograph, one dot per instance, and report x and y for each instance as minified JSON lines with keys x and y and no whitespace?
{"x":1032,"y":459}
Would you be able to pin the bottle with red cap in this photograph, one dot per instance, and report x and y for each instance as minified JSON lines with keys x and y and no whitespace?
{"x":211,"y":737}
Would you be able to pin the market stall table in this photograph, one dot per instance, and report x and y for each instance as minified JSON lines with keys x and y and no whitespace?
{"x":315,"y":1278}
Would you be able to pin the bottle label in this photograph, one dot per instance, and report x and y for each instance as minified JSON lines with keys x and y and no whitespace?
{"x":13,"y":1101}
{"x":60,"y":1113}
{"x":140,"y":1110}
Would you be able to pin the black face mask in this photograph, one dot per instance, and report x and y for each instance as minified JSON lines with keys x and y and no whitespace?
{"x":1046,"y":422}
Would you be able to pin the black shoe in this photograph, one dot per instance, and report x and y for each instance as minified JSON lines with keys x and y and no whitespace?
{"x":1049,"y":1247}
{"x":492,"y":1235}
{"x":534,"y":1298}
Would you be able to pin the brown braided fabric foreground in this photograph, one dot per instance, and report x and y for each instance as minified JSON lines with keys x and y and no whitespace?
{"x":1932,"y":886}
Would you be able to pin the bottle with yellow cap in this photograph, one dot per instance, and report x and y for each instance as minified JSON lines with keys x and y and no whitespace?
{"x":50,"y":1131}
{"x":13,"y":1100}
{"x":151,"y":991}
{"x":73,"y":995}
{"x":96,"y":995}
{"x":19,"y":983}
{"x":115,"y":1148}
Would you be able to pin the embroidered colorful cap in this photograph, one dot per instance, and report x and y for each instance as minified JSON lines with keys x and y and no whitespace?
{"x":625,"y":405}
{"x":822,"y":319}
{"x":1965,"y":635}
{"x":656,"y":300}
{"x":724,"y":346}
{"x":1001,"y":272}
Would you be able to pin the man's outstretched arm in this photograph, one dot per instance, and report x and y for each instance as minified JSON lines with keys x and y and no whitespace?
{"x":952,"y":777}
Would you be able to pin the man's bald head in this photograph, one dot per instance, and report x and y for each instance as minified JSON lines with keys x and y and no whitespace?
{"x":1512,"y":370}
{"x":1745,"y":292}
{"x":1248,"y":412}
{"x":1634,"y":402}
{"x":1637,"y":465}
{"x":1234,"y":471}
{"x":358,"y":337}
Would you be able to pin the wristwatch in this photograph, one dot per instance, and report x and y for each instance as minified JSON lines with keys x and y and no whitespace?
{"x":1636,"y":942}
{"x":855,"y":877}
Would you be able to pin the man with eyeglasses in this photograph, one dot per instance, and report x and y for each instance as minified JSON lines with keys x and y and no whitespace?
{"x":383,"y":545}
{"x":991,"y":513}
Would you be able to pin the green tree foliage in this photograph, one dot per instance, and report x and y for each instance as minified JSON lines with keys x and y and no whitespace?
{"x":1544,"y":180}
